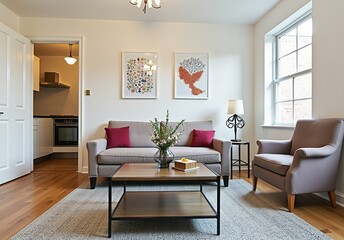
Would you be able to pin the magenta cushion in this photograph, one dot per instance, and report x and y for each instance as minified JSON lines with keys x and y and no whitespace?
{"x":202,"y":138}
{"x":118,"y":137}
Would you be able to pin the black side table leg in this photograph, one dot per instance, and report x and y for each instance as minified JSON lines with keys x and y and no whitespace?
{"x":248,"y":160}
{"x":110,"y":208}
{"x":232,"y":162}
{"x":239,"y":146}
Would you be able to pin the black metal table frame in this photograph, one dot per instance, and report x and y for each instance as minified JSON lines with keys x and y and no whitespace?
{"x":239,"y":162}
{"x":111,"y":212}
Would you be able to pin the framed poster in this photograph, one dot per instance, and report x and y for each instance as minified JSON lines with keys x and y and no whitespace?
{"x":139,"y":74}
{"x":191,"y":76}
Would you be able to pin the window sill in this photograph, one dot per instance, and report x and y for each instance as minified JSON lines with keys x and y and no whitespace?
{"x":278,"y":126}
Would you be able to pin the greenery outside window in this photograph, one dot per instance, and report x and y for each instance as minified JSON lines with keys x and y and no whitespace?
{"x":293,"y":72}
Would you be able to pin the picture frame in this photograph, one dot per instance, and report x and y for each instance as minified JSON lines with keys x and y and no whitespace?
{"x":191,"y":79}
{"x":139,"y":75}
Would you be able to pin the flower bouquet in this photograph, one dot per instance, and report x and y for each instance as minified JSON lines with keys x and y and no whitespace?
{"x":164,"y":136}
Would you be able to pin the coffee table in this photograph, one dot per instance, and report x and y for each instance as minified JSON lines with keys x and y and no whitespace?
{"x":162,"y":204}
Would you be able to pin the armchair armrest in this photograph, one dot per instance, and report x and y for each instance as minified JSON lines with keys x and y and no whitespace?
{"x":94,"y":147}
{"x":315,"y":152}
{"x":223,"y":146}
{"x":313,"y":170}
{"x":274,"y":146}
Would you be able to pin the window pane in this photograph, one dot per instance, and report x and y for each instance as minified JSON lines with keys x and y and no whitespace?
{"x":303,"y":109}
{"x":285,"y":90}
{"x":287,"y":65}
{"x":287,"y":43}
{"x":284,"y":112}
{"x":303,"y":86}
{"x":305,"y":33}
{"x":305,"y":59}
{"x":293,"y":95}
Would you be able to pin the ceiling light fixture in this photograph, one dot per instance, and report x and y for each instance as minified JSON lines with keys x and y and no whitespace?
{"x":150,"y":3}
{"x":70,"y":60}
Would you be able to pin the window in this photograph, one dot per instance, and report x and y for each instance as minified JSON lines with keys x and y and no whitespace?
{"x":293,"y":72}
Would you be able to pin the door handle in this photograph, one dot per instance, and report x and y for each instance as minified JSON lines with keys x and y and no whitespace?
{"x":1,"y":113}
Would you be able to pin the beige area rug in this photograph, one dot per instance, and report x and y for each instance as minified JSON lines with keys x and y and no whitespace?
{"x":244,"y":215}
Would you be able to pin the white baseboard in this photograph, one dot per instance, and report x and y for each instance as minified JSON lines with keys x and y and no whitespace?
{"x":84,"y":170}
{"x":339,"y":197}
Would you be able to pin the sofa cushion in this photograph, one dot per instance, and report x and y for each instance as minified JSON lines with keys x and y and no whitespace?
{"x":202,"y":138}
{"x":278,"y":163}
{"x":126,"y":155}
{"x":140,"y":132}
{"x":117,"y":137}
{"x":199,"y":154}
{"x":146,"y":155}
{"x":187,"y":129}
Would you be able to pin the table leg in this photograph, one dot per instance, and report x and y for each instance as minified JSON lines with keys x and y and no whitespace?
{"x":110,"y":208}
{"x":239,"y":146}
{"x":232,"y":162}
{"x":218,"y":206}
{"x":248,"y":160}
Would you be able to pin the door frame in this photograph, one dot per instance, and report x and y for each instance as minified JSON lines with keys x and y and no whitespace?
{"x":80,"y":41}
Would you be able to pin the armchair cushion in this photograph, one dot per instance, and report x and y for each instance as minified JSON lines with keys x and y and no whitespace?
{"x":278,"y":163}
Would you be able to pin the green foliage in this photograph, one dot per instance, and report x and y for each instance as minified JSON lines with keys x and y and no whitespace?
{"x":164,"y":135}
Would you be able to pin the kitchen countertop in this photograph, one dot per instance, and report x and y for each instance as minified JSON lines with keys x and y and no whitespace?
{"x":55,"y":116}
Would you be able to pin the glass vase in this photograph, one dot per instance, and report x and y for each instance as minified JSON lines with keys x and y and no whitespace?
{"x":164,"y":157}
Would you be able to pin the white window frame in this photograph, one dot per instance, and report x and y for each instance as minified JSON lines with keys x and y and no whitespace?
{"x":277,"y":80}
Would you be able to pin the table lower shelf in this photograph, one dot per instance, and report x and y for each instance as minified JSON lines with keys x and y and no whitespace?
{"x":163,"y":204}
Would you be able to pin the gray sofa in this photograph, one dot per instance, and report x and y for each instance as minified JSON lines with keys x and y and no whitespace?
{"x":104,"y":162}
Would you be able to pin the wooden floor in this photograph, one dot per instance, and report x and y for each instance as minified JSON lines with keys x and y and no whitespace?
{"x":24,"y":199}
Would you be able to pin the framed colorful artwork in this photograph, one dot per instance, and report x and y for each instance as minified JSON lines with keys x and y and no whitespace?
{"x":191,"y":76}
{"x":139,"y":74}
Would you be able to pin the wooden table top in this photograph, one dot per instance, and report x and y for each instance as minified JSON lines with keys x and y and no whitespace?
{"x":151,"y":172}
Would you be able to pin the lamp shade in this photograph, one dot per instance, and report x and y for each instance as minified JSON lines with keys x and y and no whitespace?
{"x":236,"y":107}
{"x":70,"y":60}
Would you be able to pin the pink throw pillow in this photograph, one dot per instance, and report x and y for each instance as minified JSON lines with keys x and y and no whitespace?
{"x":202,"y":138}
{"x":118,"y":137}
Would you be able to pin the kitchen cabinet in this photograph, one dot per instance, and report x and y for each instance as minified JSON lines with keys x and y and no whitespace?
{"x":36,"y":73}
{"x":42,"y":137}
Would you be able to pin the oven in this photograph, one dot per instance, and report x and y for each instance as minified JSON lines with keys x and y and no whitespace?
{"x":66,"y":131}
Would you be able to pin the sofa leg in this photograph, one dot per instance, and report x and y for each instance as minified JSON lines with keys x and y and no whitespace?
{"x":332,"y":197}
{"x":93,"y":181}
{"x":225,"y":180}
{"x":255,"y":181}
{"x":291,"y":202}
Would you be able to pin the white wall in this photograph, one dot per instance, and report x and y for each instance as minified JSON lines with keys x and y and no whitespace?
{"x":328,"y":67}
{"x":8,"y":18}
{"x":328,"y":62}
{"x":57,"y":101}
{"x":230,"y":49}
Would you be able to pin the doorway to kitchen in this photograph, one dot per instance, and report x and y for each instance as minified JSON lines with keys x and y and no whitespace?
{"x":57,"y":100}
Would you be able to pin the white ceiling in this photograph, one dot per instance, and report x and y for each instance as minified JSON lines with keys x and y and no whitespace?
{"x":201,"y":11}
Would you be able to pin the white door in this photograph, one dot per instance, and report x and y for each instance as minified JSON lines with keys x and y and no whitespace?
{"x":15,"y":105}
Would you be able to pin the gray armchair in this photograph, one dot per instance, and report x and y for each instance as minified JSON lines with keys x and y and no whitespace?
{"x":306,"y":163}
